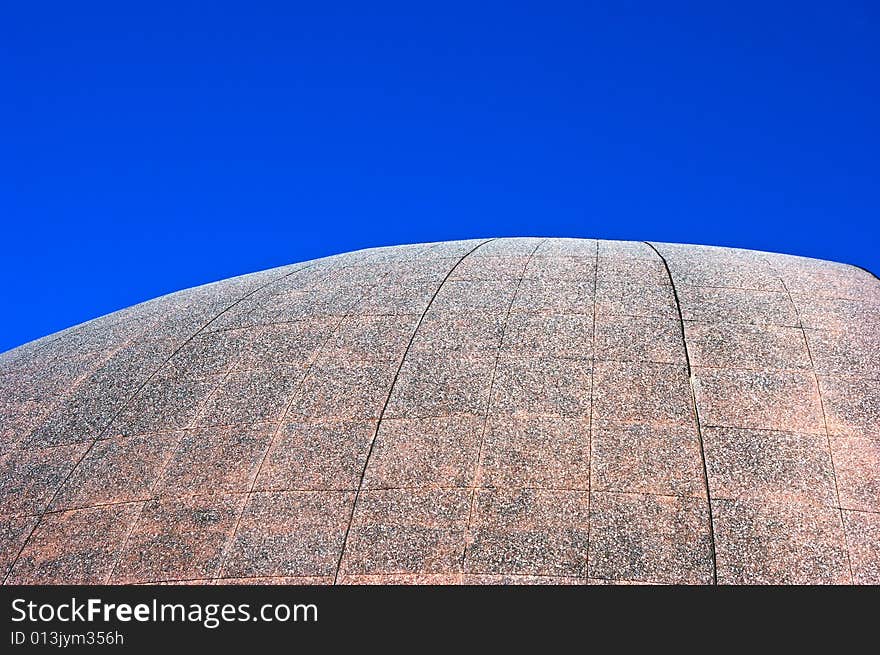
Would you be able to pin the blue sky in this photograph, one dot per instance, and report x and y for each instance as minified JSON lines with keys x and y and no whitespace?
{"x":151,"y":148}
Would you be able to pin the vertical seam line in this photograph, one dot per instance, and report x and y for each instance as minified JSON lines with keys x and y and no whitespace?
{"x":824,"y":415}
{"x":385,"y":406}
{"x":696,"y":410}
{"x":477,"y":470}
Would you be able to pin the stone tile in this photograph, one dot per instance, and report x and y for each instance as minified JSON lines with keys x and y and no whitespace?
{"x":776,"y":543}
{"x":622,"y":583}
{"x":70,"y":421}
{"x":75,"y":547}
{"x":317,"y":454}
{"x":490,"y":267}
{"x":359,"y":274}
{"x":431,"y":452}
{"x":846,"y":354}
{"x":393,"y":298}
{"x":290,"y":533}
{"x":17,"y":387}
{"x":852,"y":407}
{"x":334,"y":301}
{"x":341,"y":388}
{"x":639,"y":339}
{"x":402,"y":579}
{"x":459,"y":249}
{"x":423,"y":269}
{"x":19,"y":419}
{"x":696,"y":271}
{"x":528,"y":532}
{"x":373,"y":256}
{"x":167,"y":402}
{"x":297,"y":581}
{"x":863,"y":535}
{"x":21,"y":386}
{"x":175,"y":583}
{"x":508,"y":246}
{"x":210,"y":353}
{"x":178,"y":539}
{"x":654,"y":394}
{"x":769,"y":466}
{"x":626,"y":250}
{"x":638,"y":272}
{"x":682,"y":252}
{"x":647,"y":460}
{"x":407,"y":531}
{"x":857,"y":465}
{"x":555,"y":296}
{"x":453,"y":386}
{"x":14,"y":531}
{"x":581,"y":268}
{"x":746,"y":346}
{"x":108,"y":332}
{"x":87,"y":412}
{"x":117,"y":470}
{"x":285,"y":344}
{"x":184,"y":313}
{"x":319,"y":303}
{"x":549,"y":335}
{"x":29,"y":356}
{"x":635,"y":300}
{"x":521,"y":580}
{"x":130,"y":366}
{"x":831,"y":280}
{"x":216,"y":460}
{"x":390,"y":254}
{"x":134,"y":362}
{"x":568,"y":247}
{"x":443,"y":331}
{"x":836,"y":314}
{"x":489,"y":296}
{"x":372,"y":337}
{"x":321,"y":272}
{"x":537,"y":453}
{"x":244,"y":315}
{"x":774,"y":400}
{"x":253,"y":396}
{"x":645,"y":537}
{"x":49,"y":376}
{"x":543,"y":386}
{"x":714,"y":305}
{"x":30,"y":477}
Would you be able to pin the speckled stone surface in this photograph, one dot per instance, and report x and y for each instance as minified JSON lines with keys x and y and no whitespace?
{"x":493,"y":411}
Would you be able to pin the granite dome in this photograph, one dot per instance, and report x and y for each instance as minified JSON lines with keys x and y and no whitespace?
{"x":518,"y":410}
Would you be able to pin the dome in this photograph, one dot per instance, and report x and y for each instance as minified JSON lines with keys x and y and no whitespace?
{"x":512,"y":410}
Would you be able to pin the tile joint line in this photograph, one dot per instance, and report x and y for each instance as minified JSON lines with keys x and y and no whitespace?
{"x":385,"y":405}
{"x":696,"y":410}
{"x":498,"y":352}
{"x":824,"y":416}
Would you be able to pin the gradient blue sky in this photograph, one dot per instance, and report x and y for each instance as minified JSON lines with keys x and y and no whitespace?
{"x":148,"y":149}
